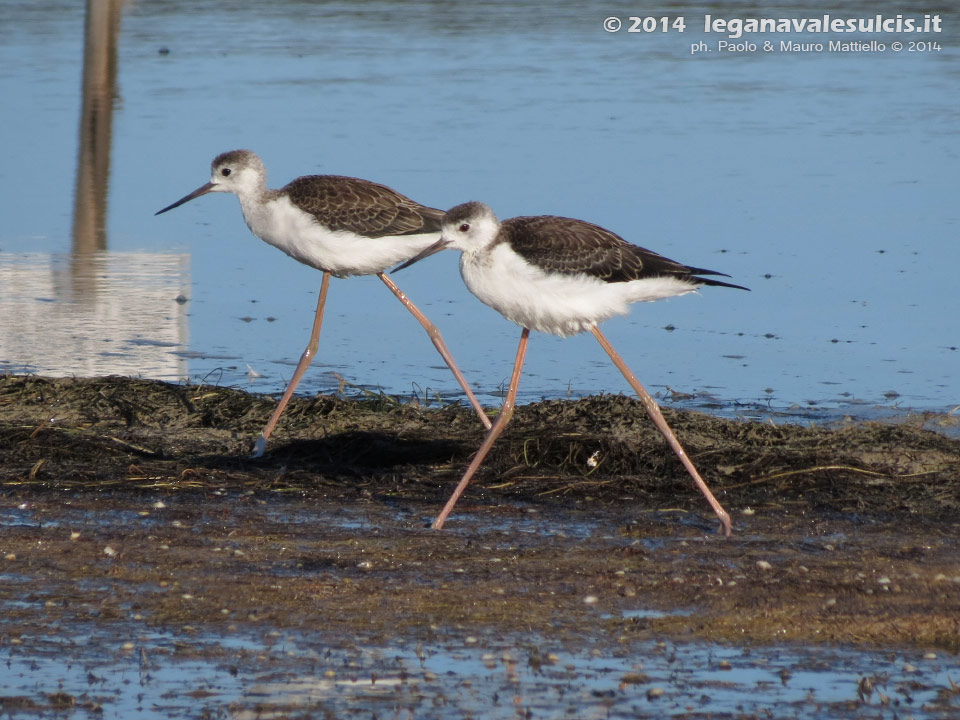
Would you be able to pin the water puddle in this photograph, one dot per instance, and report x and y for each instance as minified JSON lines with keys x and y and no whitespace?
{"x":282,"y":675}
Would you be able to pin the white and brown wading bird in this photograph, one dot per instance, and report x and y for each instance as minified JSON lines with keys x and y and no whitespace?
{"x":562,"y":276}
{"x":340,"y":225}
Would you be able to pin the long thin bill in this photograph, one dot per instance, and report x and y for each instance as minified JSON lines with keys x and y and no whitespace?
{"x":202,"y":190}
{"x":426,"y":252}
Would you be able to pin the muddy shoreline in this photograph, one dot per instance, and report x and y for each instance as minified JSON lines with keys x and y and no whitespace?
{"x":841,"y":536}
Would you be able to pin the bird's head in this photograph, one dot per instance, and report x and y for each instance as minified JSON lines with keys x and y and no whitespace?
{"x":238,"y":171}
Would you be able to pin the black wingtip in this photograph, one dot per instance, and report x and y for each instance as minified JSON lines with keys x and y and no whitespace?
{"x":710,"y":282}
{"x":696,"y":272}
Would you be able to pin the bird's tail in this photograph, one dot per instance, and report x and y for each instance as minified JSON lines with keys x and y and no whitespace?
{"x":710,"y":282}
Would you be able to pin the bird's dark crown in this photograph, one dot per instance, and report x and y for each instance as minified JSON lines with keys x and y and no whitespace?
{"x":466,"y":211}
{"x":231,"y":157}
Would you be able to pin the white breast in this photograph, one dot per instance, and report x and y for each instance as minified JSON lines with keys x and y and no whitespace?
{"x":554,"y":303}
{"x":283,"y":225}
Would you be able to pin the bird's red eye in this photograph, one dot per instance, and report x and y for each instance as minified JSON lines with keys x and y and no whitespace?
{"x":225,"y":172}
{"x":464,"y":227}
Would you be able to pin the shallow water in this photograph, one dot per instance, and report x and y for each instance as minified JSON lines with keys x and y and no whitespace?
{"x":825,"y":182}
{"x":276,"y":675}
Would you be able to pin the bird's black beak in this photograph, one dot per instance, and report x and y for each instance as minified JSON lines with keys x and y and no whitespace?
{"x":439,"y":245}
{"x":202,"y":190}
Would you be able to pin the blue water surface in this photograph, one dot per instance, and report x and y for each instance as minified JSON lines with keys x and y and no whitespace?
{"x":824,"y":181}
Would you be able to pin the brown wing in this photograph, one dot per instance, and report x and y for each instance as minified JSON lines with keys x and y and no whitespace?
{"x":360,"y":206}
{"x":569,"y":246}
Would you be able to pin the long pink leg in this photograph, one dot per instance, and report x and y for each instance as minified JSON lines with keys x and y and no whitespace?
{"x":305,"y":359}
{"x":441,"y":346}
{"x":498,"y":426}
{"x":653,"y":410}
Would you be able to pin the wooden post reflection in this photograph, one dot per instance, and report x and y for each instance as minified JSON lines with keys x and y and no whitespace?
{"x":101,"y":30}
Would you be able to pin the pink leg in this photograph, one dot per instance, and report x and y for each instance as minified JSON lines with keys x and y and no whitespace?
{"x":498,"y":426}
{"x":653,"y":410}
{"x":305,"y":359}
{"x":441,"y":346}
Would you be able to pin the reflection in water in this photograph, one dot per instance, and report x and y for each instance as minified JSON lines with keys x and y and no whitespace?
{"x":132,"y":326}
{"x":96,"y":123}
{"x":92,"y":312}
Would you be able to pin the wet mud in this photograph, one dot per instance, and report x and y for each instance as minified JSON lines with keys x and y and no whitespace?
{"x":133,"y":516}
